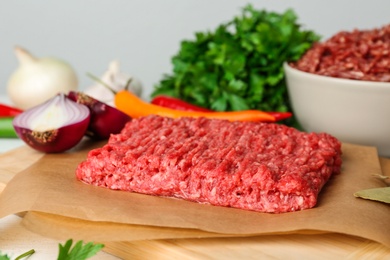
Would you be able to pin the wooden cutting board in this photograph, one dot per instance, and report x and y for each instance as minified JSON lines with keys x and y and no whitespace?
{"x":293,"y":246}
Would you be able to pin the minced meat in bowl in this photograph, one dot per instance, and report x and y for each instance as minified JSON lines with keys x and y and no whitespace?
{"x":342,"y":86}
{"x":359,"y":55}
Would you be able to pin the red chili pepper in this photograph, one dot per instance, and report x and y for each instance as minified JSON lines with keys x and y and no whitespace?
{"x":280,"y":115}
{"x":8,"y":111}
{"x":178,"y":104}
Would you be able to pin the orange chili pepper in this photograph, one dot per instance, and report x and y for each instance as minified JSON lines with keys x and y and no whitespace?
{"x":133,"y":106}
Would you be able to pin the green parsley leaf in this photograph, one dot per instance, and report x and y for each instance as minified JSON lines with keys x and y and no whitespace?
{"x":80,"y":251}
{"x":26,"y":254}
{"x":239,"y":65}
{"x":4,"y":257}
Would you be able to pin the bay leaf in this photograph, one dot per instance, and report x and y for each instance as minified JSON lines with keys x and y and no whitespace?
{"x":377,"y":194}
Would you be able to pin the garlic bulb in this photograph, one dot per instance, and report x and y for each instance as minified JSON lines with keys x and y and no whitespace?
{"x":117,"y":81}
{"x":36,"y":80}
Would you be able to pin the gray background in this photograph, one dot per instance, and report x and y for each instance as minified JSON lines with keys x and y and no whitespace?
{"x":144,"y":34}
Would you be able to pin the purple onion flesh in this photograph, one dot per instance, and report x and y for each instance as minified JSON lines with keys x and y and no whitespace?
{"x":54,"y":126}
{"x":105,"y":119}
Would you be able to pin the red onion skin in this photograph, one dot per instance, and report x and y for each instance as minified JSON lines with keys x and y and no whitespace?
{"x":105,"y":119}
{"x":54,"y":140}
{"x":62,"y":139}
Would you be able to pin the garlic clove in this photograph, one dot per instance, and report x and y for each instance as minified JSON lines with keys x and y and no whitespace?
{"x":117,"y":81}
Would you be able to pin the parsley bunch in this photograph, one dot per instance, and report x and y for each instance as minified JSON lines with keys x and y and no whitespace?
{"x":79,"y":251}
{"x":239,"y":65}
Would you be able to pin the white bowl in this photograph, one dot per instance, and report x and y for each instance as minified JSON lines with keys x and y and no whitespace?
{"x":351,"y":110}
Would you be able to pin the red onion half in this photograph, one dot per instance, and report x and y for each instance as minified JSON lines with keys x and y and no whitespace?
{"x":54,"y":126}
{"x":105,"y":119}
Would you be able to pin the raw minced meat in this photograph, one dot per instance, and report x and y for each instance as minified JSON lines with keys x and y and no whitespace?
{"x":254,"y":166}
{"x":357,"y":54}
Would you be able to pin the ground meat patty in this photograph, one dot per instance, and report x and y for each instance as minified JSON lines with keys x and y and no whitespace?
{"x":254,"y":166}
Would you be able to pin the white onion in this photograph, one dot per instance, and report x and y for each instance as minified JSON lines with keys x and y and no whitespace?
{"x":39,"y":79}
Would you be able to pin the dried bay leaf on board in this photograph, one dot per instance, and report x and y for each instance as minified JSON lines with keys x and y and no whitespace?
{"x":377,"y":194}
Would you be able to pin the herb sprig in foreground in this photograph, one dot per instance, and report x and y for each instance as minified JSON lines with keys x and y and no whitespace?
{"x":80,"y":251}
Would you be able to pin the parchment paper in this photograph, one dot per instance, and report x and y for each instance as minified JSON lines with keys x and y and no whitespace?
{"x":49,"y":189}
